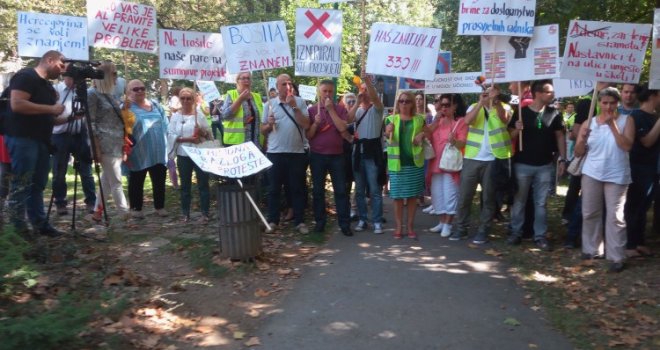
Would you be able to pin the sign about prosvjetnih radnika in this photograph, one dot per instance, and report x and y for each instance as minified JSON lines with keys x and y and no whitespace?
{"x":496,"y":17}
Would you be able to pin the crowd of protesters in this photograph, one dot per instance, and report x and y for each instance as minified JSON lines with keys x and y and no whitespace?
{"x":514,"y":153}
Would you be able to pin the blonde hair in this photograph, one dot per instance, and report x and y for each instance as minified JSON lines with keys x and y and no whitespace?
{"x":189,"y":91}
{"x":411,"y":96}
{"x":107,"y":84}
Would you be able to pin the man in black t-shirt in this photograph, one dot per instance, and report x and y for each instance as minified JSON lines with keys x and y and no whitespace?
{"x":29,"y":127}
{"x":542,"y":130}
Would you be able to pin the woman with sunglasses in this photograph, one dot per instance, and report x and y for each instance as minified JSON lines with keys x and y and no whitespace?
{"x":447,"y":127}
{"x":149,"y":153}
{"x":187,"y":126}
{"x":108,"y":129}
{"x":405,"y":131}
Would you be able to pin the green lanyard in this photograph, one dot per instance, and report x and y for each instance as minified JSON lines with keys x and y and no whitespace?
{"x":539,"y":117}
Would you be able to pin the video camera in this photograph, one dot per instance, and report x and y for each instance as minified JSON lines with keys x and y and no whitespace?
{"x":81,"y":70}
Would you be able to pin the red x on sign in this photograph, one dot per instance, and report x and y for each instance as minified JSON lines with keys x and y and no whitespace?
{"x":317,"y":24}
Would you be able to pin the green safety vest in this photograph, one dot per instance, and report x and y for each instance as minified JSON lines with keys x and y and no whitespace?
{"x":234,"y":129}
{"x":498,"y":136}
{"x":393,"y":150}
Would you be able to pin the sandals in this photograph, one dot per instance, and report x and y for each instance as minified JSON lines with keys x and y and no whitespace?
{"x":398,"y":235}
{"x":412,"y":235}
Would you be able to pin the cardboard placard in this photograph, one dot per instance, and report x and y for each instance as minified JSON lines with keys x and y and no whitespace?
{"x":41,"y":32}
{"x":191,"y":55}
{"x":256,"y":46}
{"x":122,"y":25}
{"x":496,"y":17}
{"x":318,"y":42}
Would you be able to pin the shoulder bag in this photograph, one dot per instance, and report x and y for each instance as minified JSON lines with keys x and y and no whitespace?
{"x":451,"y":159}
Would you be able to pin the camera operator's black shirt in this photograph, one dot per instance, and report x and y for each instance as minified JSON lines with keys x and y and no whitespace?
{"x":33,"y":126}
{"x":539,"y":144}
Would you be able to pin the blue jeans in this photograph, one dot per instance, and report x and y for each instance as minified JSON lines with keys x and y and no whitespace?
{"x":30,"y":162}
{"x":368,"y":176}
{"x":287,"y":168}
{"x":66,"y":145}
{"x":541,"y":179}
{"x":321,"y":165}
{"x":215,"y":128}
{"x":186,"y":167}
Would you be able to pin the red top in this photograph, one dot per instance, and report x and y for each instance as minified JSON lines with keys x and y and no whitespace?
{"x":439,"y":139}
{"x":4,"y":152}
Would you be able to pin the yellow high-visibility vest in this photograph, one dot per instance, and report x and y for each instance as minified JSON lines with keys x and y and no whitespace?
{"x":234,"y":129}
{"x":498,"y":136}
{"x":393,"y":149}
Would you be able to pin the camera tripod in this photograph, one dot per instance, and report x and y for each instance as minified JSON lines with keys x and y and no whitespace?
{"x":80,"y":110}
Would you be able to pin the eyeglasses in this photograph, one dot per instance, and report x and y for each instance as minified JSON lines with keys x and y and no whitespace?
{"x":244,"y":78}
{"x":139,"y":89}
{"x":186,"y":98}
{"x":404,"y":102}
{"x":350,"y":102}
{"x":445,"y":105}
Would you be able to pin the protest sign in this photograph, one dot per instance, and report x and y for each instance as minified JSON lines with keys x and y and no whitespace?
{"x":457,"y":83}
{"x":605,"y":51}
{"x":571,"y":88}
{"x":256,"y":46}
{"x":522,"y":58}
{"x":307,"y":92}
{"x":122,"y":25}
{"x":41,"y":32}
{"x":442,"y":66}
{"x":403,"y":51}
{"x":654,"y":75}
{"x":272,"y":83}
{"x":496,"y":17}
{"x":234,"y":162}
{"x":208,"y":90}
{"x":318,"y":42}
{"x":191,"y":55}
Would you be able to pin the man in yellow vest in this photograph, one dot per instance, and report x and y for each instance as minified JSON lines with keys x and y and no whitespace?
{"x":241,"y":113}
{"x":487,"y":140}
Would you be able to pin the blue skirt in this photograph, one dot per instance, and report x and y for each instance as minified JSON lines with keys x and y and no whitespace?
{"x":407,"y":183}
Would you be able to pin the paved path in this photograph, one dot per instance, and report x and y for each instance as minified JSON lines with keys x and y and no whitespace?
{"x":373,"y":292}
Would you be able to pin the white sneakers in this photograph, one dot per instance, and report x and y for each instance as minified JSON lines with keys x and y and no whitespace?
{"x":302,"y":228}
{"x":444,"y":229}
{"x":428,"y":209}
{"x":378,"y":228}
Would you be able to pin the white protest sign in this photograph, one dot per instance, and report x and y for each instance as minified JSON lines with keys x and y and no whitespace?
{"x":522,"y":58}
{"x":654,"y":74}
{"x":318,"y":42}
{"x":307,"y":92}
{"x":191,"y":55}
{"x":272,"y":83}
{"x":496,"y":17}
{"x":41,"y":32}
{"x":457,"y":83}
{"x":403,"y":51}
{"x":234,"y":162}
{"x":208,"y":90}
{"x":122,"y":25}
{"x":605,"y":51}
{"x":256,"y":46}
{"x":570,"y":88}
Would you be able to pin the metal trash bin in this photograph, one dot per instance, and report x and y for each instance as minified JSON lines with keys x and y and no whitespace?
{"x":240,"y":235}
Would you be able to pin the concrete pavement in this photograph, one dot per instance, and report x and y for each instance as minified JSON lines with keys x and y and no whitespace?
{"x":374,"y":292}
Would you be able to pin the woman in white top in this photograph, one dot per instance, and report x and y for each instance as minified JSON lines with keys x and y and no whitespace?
{"x":606,"y":140}
{"x":187,"y":127}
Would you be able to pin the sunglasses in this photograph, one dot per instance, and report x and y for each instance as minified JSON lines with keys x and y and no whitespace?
{"x":404,"y":102}
{"x":186,"y":98}
{"x":245,"y":78}
{"x":350,"y":102}
{"x":445,"y":105}
{"x":139,"y":89}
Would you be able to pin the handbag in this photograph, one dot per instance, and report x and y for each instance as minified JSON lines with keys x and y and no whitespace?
{"x":205,"y":142}
{"x":575,"y":166}
{"x":429,"y":153}
{"x":452,"y":158}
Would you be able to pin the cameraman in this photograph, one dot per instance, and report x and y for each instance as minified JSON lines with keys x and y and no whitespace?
{"x":29,"y":126}
{"x":70,"y":139}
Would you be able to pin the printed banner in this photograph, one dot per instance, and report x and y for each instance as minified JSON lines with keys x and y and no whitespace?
{"x":307,"y":92}
{"x":41,"y":32}
{"x":403,"y":51}
{"x":522,"y":58}
{"x":234,"y":162}
{"x":318,"y":42}
{"x":457,"y":83}
{"x":605,"y":51}
{"x":496,"y":17}
{"x":122,"y":25}
{"x":208,"y":90}
{"x":256,"y":46}
{"x":654,"y":74}
{"x":191,"y":55}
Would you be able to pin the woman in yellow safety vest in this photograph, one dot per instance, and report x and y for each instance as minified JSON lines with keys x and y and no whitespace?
{"x":405,"y":132}
{"x":242,"y":113}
